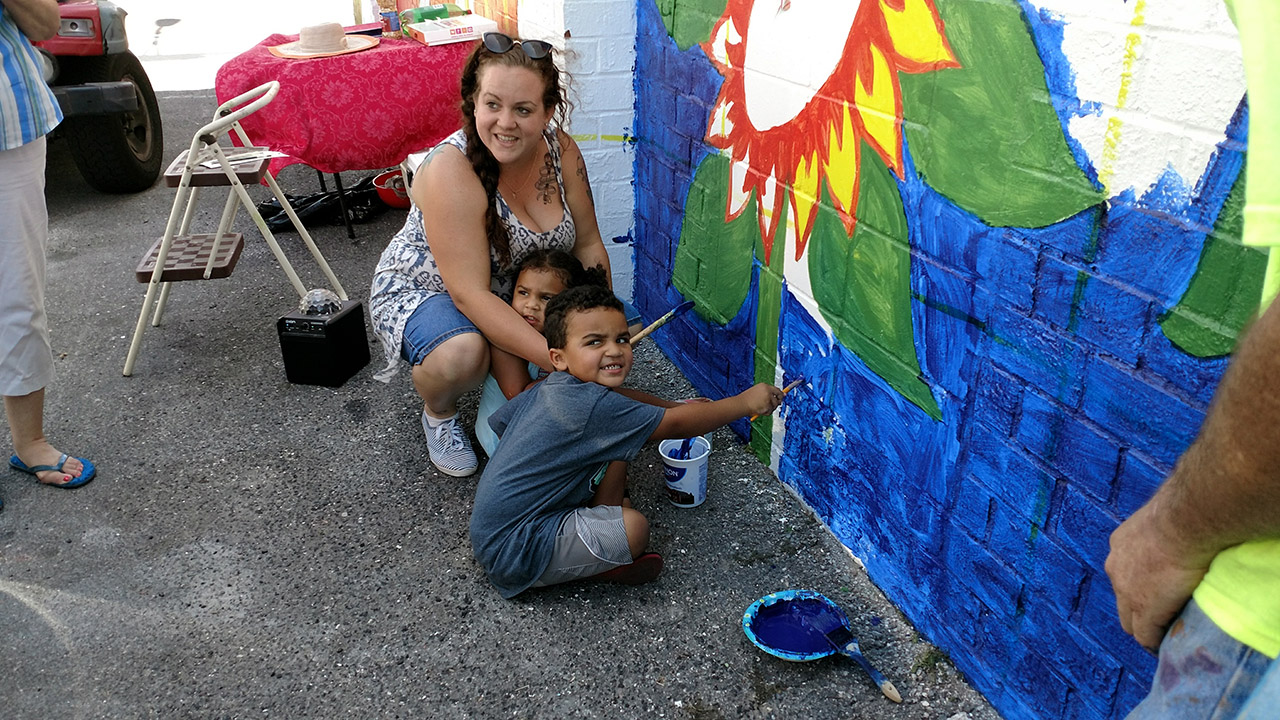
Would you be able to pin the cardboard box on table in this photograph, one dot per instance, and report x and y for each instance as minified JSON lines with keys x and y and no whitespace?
{"x":451,"y":29}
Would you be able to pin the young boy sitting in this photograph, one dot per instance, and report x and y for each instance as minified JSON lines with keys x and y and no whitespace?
{"x":549,"y":507}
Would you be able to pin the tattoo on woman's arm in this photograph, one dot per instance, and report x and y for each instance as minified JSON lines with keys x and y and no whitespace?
{"x":582,"y":173}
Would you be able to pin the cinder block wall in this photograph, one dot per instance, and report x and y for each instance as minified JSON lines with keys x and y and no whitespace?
{"x":1009,"y":313}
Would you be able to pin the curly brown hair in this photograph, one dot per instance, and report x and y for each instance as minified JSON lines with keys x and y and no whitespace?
{"x":576,"y":299}
{"x":483,"y":161}
{"x":566,"y":266}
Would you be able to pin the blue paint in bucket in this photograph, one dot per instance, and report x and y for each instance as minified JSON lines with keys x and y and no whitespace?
{"x":686,"y":476}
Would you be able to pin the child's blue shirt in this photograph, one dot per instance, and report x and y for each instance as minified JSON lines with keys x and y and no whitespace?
{"x":555,"y":437}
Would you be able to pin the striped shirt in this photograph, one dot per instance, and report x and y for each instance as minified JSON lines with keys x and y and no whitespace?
{"x":28,"y":109}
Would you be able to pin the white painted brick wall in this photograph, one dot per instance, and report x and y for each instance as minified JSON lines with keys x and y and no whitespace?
{"x":599,"y":37}
{"x":1165,"y":78}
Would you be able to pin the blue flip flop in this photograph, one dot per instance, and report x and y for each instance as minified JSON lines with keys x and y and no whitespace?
{"x":85,"y":475}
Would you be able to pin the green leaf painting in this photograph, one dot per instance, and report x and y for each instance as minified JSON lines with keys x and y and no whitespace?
{"x":863,"y":283}
{"x":1223,"y":293}
{"x":713,"y":258}
{"x":689,"y":22}
{"x":985,"y":134}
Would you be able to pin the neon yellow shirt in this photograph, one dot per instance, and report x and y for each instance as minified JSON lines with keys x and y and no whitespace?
{"x":1241,"y":592}
{"x":1257,"y":22}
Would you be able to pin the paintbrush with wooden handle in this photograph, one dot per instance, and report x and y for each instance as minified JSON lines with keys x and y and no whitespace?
{"x":790,"y":386}
{"x":674,"y":312}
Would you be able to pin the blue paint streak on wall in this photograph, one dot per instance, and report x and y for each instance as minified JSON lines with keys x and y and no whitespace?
{"x":983,"y":527}
{"x":1047,"y":32}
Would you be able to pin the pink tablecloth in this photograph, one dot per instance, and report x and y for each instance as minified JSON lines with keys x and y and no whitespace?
{"x":361,"y":111}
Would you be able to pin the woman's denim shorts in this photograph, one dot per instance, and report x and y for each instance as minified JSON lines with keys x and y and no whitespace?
{"x":437,"y":319}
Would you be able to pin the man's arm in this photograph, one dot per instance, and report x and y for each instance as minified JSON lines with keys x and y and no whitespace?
{"x":37,"y":19}
{"x":1224,"y":490}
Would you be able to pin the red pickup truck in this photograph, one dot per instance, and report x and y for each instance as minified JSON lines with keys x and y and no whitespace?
{"x":112,"y":119}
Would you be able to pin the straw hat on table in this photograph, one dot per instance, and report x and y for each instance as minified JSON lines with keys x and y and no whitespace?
{"x":324,"y":40}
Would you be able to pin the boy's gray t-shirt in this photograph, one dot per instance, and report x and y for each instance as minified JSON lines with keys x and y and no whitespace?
{"x":556,"y":436}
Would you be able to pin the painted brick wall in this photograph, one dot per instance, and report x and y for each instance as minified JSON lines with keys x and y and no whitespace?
{"x":598,"y":41}
{"x":600,"y":35}
{"x":1068,"y":363}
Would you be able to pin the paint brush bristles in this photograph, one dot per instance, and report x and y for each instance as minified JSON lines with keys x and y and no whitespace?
{"x":790,"y":386}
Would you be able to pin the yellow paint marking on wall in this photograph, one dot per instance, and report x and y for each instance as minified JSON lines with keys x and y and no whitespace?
{"x":606,"y":138}
{"x":914,"y":34}
{"x":1111,"y":140}
{"x":720,"y":125}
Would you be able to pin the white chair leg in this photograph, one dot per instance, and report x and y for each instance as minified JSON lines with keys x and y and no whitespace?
{"x":164,"y":298}
{"x":224,"y":226}
{"x":237,"y":188}
{"x":306,"y":237}
{"x":192,"y":195}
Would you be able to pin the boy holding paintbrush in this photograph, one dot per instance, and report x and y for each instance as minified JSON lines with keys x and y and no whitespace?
{"x":549,"y":507}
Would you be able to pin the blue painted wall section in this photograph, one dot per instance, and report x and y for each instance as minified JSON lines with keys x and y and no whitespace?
{"x":1063,"y":405}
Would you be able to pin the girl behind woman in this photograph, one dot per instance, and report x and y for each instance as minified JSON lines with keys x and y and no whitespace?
{"x":543,"y":275}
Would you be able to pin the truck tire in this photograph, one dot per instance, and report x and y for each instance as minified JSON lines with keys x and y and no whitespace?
{"x":121,"y":152}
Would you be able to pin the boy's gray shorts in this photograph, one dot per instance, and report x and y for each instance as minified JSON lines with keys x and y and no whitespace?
{"x":591,"y":540}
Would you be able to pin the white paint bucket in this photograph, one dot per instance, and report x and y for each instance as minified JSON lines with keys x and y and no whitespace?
{"x":706,"y":437}
{"x":686,"y":479}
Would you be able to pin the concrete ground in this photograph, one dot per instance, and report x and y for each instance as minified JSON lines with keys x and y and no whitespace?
{"x":253,"y":548}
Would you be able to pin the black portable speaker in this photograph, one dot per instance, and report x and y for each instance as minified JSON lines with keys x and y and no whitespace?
{"x":324,"y":349}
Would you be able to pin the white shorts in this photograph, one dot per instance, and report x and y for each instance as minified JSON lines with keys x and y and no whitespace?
{"x":591,"y":540}
{"x":26,"y":359}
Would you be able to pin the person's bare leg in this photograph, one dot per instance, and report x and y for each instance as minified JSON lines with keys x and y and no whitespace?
{"x":613,"y":488}
{"x":637,"y":531}
{"x":456,"y":366}
{"x":26,"y":426}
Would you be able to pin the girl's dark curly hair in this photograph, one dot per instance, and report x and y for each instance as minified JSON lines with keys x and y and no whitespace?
{"x":483,"y":161}
{"x":566,"y":266}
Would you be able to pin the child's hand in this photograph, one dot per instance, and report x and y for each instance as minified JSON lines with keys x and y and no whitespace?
{"x":762,"y":398}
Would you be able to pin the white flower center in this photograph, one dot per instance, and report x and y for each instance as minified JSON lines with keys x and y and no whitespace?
{"x":790,"y":54}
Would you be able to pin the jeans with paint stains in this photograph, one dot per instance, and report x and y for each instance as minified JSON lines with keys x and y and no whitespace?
{"x":1204,"y":673}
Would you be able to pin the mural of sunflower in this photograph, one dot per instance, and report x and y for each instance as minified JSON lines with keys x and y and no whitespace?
{"x":805,"y":84}
{"x":822,"y":108}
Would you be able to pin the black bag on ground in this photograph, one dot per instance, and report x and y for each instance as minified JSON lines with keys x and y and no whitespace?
{"x":324,"y":208}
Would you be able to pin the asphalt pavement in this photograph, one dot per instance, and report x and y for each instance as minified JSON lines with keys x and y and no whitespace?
{"x":255,"y":548}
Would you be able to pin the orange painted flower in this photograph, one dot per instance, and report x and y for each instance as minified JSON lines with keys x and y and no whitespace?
{"x":805,"y":84}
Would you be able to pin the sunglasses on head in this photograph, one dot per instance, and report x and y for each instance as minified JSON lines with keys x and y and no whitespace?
{"x":496,"y":42}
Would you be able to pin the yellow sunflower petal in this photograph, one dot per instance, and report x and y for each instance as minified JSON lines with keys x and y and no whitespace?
{"x":841,"y":165}
{"x":916,"y":34}
{"x":804,"y":200}
{"x":878,"y":107}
